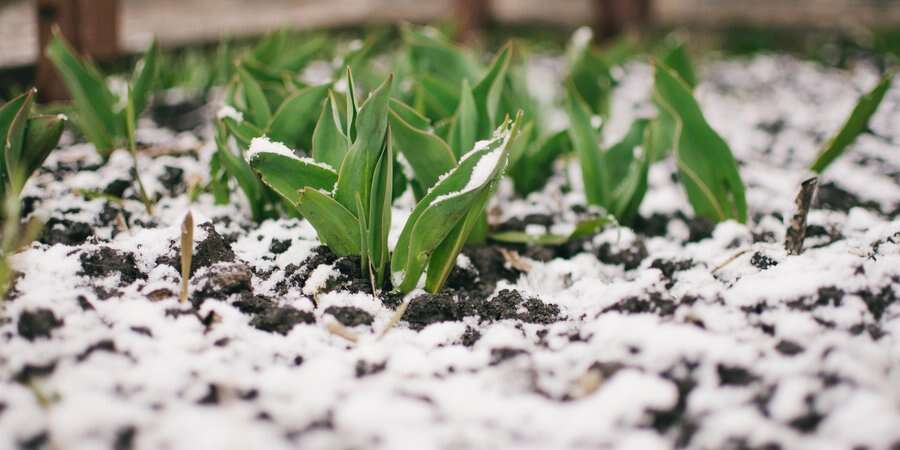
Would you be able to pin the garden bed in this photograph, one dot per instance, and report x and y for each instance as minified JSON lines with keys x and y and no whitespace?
{"x":673,"y":333}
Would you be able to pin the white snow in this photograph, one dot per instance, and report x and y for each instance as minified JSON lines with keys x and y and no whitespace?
{"x":737,"y":355}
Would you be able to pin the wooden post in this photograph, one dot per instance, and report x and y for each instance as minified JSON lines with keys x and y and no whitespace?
{"x":91,"y":26}
{"x":471,"y":16}
{"x":615,"y":16}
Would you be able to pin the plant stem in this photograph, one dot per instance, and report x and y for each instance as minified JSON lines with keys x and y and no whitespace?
{"x":132,"y":148}
{"x":187,"y":254}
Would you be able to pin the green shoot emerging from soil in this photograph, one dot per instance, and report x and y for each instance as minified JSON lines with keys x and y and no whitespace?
{"x":857,"y":123}
{"x":708,"y":170}
{"x":106,"y":119}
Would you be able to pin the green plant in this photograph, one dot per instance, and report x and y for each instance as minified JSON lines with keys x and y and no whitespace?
{"x":708,"y":170}
{"x":674,"y":55}
{"x":107,"y":120}
{"x":350,"y":208}
{"x":856,"y":124}
{"x":615,"y":179}
{"x":27,"y":140}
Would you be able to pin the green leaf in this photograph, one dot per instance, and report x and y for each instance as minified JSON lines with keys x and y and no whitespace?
{"x":856,"y":124}
{"x":355,"y":174}
{"x":429,"y":54}
{"x":590,"y":75}
{"x":330,"y":145}
{"x":379,"y":218}
{"x":536,"y":166}
{"x":594,"y":174}
{"x":13,"y":115}
{"x":409,"y":115}
{"x":464,"y":126}
{"x":583,"y":229}
{"x":708,"y":170}
{"x":676,"y":57}
{"x":438,"y":96}
{"x":94,"y":101}
{"x":238,"y":169}
{"x":428,"y":155}
{"x":294,"y":121}
{"x":287,"y":175}
{"x":259,"y":112}
{"x":488,"y":91}
{"x":41,"y":137}
{"x":336,"y":226}
{"x":443,"y":208}
{"x":144,"y":78}
{"x":243,"y":131}
{"x":630,"y":171}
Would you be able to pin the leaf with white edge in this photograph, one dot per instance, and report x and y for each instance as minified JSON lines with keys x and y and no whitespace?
{"x":427,"y":154}
{"x":294,"y":121}
{"x":258,"y":110}
{"x":708,"y":170}
{"x":336,"y":226}
{"x":856,"y":124}
{"x":330,"y":145}
{"x":445,"y":205}
{"x":464,"y":125}
{"x":582,"y":229}
{"x":286,"y":173}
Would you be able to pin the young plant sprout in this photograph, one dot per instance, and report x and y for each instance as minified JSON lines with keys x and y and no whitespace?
{"x":26,"y":140}
{"x":615,"y":179}
{"x":708,"y":170}
{"x":856,"y":124}
{"x":106,"y":119}
{"x":351,"y":208}
{"x":187,"y":254}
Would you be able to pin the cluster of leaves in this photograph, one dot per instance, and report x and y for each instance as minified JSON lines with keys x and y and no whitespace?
{"x":350,"y":207}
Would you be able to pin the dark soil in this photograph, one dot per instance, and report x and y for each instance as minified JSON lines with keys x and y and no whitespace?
{"x":65,"y":232}
{"x":281,"y":319}
{"x":37,"y":323}
{"x":105,"y":262}
{"x":449,"y":306}
{"x":350,"y":316}
{"x":630,"y":257}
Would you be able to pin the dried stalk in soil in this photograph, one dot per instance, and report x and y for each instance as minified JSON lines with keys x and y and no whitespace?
{"x":187,"y":254}
{"x":796,"y":232}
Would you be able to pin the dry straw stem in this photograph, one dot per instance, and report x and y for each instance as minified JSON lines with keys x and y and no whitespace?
{"x":187,"y":254}
{"x":796,"y":232}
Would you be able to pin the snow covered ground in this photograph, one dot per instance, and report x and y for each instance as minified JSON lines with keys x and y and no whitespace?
{"x":673,"y":335}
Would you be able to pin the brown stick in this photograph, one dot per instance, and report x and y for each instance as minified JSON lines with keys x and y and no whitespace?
{"x":612,"y":17}
{"x":187,"y":254}
{"x":796,"y":232}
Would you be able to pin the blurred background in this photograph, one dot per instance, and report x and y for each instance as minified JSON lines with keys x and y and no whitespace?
{"x":827,"y":30}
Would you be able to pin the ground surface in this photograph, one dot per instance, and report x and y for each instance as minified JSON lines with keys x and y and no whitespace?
{"x":631,"y":339}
